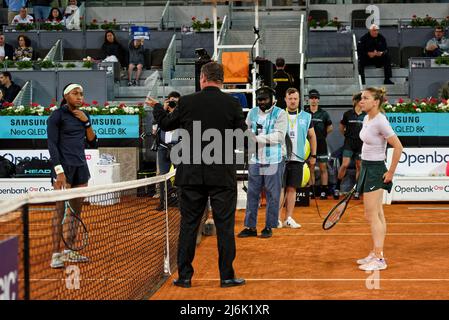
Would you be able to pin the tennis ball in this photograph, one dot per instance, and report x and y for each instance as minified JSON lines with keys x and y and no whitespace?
{"x":305,"y":175}
{"x":306,"y":149}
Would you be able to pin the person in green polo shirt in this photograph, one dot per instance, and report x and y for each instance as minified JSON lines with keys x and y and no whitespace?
{"x":322,"y":125}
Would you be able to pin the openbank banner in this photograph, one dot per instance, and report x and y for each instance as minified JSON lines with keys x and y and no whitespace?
{"x":13,"y":187}
{"x":420,"y":124}
{"x":421,"y":161}
{"x":35,"y":127}
{"x":15,"y":156}
{"x":430,"y":189}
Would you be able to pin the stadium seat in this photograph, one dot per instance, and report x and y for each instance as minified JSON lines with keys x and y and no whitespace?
{"x":358,"y":18}
{"x":157,"y":57}
{"x":147,"y":55}
{"x":395,"y":56}
{"x":235,"y":65}
{"x":95,"y":53}
{"x":74,"y":54}
{"x":319,"y":14}
{"x":409,"y":52}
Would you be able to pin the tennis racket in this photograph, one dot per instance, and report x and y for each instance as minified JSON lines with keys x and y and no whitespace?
{"x":74,"y":231}
{"x":338,"y":210}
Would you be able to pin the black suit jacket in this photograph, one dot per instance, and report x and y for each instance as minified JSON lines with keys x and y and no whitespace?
{"x":9,"y":51}
{"x":368,"y":44}
{"x":215,"y":110}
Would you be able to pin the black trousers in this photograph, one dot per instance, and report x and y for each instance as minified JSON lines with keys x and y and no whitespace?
{"x":193,"y":200}
{"x":383,"y":61}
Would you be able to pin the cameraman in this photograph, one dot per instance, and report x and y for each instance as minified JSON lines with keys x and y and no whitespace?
{"x":165,"y":141}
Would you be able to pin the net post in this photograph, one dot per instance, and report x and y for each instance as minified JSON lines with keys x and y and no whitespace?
{"x":167,"y":268}
{"x":26,"y":251}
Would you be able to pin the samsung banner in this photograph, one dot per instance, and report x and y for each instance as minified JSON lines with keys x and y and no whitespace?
{"x":35,"y":127}
{"x":420,"y":124}
{"x":9,"y":269}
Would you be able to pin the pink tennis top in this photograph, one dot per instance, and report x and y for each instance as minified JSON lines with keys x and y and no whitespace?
{"x":374,"y":135}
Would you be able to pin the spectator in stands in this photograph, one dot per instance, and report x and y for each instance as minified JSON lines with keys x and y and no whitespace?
{"x":2,"y":98}
{"x":14,"y":7}
{"x":71,"y":8}
{"x":10,"y":88}
{"x":111,"y":47}
{"x":136,"y":59}
{"x":282,"y":81}
{"x":438,"y":45}
{"x":55,"y":16}
{"x":372,"y":50}
{"x":6,"y":50}
{"x":22,"y":17}
{"x":25,"y":51}
{"x":41,"y":9}
{"x":323,"y":126}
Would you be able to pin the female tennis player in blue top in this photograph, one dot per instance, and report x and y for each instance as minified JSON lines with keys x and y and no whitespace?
{"x":68,"y":129}
{"x":374,"y":177}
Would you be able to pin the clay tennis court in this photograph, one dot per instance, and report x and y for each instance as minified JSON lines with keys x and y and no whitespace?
{"x":310,"y":263}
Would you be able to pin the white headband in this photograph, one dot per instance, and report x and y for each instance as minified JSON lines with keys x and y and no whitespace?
{"x":71,"y":87}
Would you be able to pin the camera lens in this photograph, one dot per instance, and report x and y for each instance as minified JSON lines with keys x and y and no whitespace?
{"x":172,"y":104}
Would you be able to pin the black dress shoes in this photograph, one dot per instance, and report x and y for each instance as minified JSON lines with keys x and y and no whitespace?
{"x":182,"y":283}
{"x":232,"y":282}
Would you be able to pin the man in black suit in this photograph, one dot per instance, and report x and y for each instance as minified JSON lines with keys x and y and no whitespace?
{"x":197,"y":178}
{"x":6,"y":50}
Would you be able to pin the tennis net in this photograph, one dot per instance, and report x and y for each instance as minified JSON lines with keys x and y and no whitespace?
{"x":132,"y":244}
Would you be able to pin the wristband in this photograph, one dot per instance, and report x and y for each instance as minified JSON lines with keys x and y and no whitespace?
{"x":87,"y":124}
{"x":59,"y":169}
{"x":313,"y":155}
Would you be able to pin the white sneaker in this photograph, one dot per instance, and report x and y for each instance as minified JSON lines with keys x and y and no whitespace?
{"x":73,"y":256}
{"x":279,"y":224}
{"x":57,"y":261}
{"x":366,"y":260}
{"x":290,"y":223}
{"x":375,"y":264}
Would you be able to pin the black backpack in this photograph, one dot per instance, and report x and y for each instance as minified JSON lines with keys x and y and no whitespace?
{"x":7,"y":168}
{"x":33,"y":168}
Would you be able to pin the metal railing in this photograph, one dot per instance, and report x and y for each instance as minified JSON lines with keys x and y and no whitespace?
{"x":74,"y":21}
{"x":56,"y":52}
{"x":222,"y":37}
{"x":165,"y":17}
{"x":169,"y":62}
{"x":355,"y":61}
{"x":25,"y":95}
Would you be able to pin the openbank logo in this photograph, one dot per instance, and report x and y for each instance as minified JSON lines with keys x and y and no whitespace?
{"x":23,"y":190}
{"x":419,"y":189}
{"x":431,"y":157}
